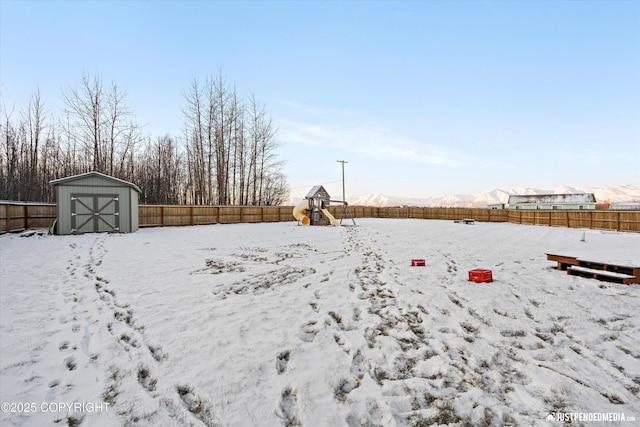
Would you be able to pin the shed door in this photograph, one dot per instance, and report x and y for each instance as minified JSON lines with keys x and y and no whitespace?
{"x":95,"y":213}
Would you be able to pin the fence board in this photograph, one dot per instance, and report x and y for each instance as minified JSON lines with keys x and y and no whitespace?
{"x":271,"y":215}
{"x":628,"y":220}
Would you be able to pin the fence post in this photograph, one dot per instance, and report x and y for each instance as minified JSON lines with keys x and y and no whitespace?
{"x":162,"y":215}
{"x":191,"y":215}
{"x":26,"y":217}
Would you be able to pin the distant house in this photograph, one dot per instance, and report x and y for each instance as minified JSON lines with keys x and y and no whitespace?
{"x":553,"y":201}
{"x":627,"y":206}
{"x":496,"y":206}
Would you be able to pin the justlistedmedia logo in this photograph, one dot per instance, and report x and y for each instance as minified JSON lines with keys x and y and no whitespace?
{"x":589,"y":417}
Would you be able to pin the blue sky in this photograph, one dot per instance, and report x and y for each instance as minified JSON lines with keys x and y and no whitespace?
{"x":422,"y":98}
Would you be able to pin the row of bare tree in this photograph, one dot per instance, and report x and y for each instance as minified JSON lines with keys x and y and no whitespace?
{"x":227,"y":154}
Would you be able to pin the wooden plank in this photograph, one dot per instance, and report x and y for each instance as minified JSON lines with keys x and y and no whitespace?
{"x":632,"y":270}
{"x":600,"y":272}
{"x":603,"y":275}
{"x":562,"y":260}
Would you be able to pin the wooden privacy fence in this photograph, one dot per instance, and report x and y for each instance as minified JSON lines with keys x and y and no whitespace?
{"x":601,"y":220}
{"x":16,"y":216}
{"x":163,"y":215}
{"x":479,"y":214}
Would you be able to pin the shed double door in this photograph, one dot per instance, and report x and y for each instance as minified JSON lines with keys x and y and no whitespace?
{"x":95,"y":213}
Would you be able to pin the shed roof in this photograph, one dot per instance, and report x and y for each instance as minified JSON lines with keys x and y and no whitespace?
{"x":552,"y":198}
{"x":315,"y":190}
{"x":67,"y":179}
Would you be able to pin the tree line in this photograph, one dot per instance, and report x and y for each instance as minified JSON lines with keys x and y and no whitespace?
{"x":226,"y":154}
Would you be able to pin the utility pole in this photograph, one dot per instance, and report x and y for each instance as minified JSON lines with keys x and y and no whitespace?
{"x":344,"y":198}
{"x":343,"y":162}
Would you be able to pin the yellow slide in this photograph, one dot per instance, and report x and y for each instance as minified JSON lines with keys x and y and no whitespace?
{"x":298,"y":212}
{"x":333,"y":221}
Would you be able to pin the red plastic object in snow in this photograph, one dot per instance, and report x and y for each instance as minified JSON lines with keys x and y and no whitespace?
{"x":418,"y":263}
{"x":480,"y":276}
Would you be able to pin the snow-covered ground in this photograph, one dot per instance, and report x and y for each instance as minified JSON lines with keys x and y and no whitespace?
{"x":277,"y":324}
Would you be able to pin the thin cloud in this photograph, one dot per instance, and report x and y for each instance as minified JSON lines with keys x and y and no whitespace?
{"x":367,"y":142}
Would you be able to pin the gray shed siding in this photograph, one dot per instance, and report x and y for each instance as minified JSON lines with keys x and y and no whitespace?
{"x":78,"y":197}
{"x":133,"y":197}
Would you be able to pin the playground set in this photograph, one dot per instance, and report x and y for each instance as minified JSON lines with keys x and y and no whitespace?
{"x":314,"y":209}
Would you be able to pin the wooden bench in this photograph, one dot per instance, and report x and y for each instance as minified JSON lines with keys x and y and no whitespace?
{"x":604,"y":271}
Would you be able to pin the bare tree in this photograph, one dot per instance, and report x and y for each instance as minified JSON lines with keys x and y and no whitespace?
{"x":160,"y":172}
{"x":85,"y":107}
{"x":221,"y":116}
{"x":194,"y":144}
{"x":227,"y":156}
{"x":231,"y":149}
{"x":263,"y":149}
{"x":238,"y":173}
{"x":104,"y":124}
{"x":9,"y":159}
{"x":33,"y":119}
{"x":122,"y":133}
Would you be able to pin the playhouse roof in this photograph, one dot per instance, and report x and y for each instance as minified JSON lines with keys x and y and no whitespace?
{"x":314,"y":191}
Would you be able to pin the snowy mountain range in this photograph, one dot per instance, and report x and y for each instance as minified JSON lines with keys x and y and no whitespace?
{"x":611,"y":194}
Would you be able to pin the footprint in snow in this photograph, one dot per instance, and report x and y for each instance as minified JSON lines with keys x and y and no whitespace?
{"x":308,"y":332}
{"x":287,"y":409}
{"x":282,"y":359}
{"x":70,"y":363}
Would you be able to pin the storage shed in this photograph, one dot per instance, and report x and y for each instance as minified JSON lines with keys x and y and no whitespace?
{"x":95,"y":203}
